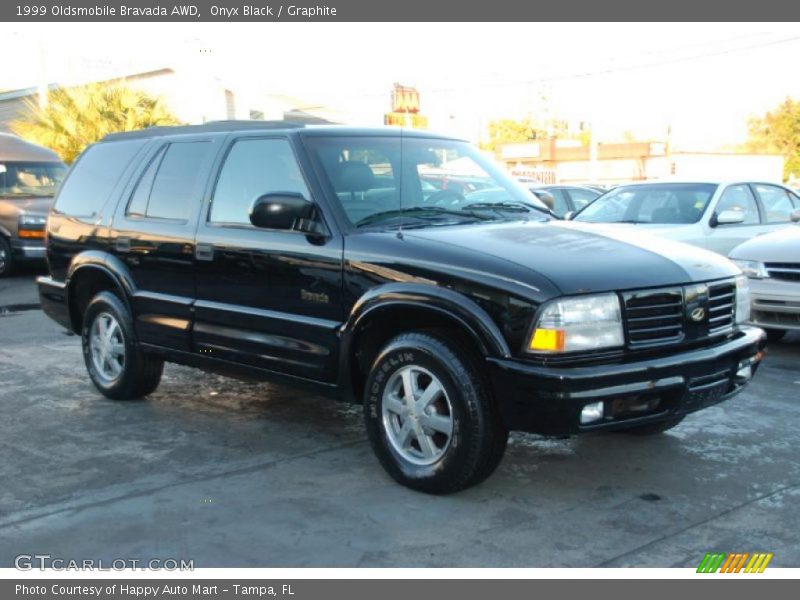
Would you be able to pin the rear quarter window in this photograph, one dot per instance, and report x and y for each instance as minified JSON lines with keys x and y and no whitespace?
{"x":94,"y":176}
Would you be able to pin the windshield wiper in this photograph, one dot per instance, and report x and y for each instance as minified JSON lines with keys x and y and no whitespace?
{"x":420,"y":212}
{"x":507,"y":206}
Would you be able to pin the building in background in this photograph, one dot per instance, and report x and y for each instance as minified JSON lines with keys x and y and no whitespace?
{"x":566,"y":161}
{"x":192,"y":96}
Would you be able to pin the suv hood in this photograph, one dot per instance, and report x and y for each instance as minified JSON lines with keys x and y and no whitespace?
{"x":580,"y":258}
{"x":779,"y":246}
{"x":28,"y":206}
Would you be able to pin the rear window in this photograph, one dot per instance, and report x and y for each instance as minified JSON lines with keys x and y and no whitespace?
{"x":94,"y":177}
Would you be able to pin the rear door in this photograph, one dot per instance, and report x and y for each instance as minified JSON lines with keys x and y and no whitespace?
{"x":153,"y":235}
{"x":266,"y":298}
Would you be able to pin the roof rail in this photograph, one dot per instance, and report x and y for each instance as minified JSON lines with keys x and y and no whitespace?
{"x":210,"y":127}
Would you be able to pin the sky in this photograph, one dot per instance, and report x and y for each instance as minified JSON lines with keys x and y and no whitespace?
{"x":699,"y":81}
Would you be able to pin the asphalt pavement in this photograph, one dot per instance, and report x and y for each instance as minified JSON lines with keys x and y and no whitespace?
{"x":234,"y":474}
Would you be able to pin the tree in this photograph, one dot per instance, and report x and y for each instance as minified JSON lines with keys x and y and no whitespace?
{"x":511,"y":131}
{"x":779,"y":131}
{"x":75,"y":117}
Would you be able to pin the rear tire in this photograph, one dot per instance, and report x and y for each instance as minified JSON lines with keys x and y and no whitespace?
{"x":6,"y":258}
{"x":775,"y":335}
{"x":115,"y":362}
{"x":429,"y":417}
{"x":654,"y":428}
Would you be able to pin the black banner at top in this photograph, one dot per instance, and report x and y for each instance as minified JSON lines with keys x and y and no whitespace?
{"x":39,"y":11}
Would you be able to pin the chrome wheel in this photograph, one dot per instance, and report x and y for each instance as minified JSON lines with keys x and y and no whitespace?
{"x":3,"y":257}
{"x":417,"y":415}
{"x":107,"y":347}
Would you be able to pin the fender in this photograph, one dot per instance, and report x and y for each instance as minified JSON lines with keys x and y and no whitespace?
{"x":427,"y":297}
{"x":109,"y":265}
{"x":5,"y":232}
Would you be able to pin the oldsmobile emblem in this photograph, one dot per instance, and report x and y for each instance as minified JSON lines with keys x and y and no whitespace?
{"x":697,"y":314}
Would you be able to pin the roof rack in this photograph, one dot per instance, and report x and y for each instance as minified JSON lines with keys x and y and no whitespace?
{"x":210,"y":127}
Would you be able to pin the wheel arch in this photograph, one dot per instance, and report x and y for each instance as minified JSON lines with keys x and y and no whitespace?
{"x":392,"y":309}
{"x":90,"y":273}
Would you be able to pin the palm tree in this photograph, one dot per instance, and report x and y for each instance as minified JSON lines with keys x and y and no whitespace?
{"x":75,"y":117}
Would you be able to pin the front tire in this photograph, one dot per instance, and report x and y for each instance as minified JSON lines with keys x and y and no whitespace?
{"x":429,"y":417}
{"x":117,"y":366}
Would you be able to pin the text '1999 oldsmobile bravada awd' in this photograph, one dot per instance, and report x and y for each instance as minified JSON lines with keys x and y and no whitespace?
{"x":321,"y":255}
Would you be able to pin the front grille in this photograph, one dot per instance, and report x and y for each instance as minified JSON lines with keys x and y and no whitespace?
{"x":721,"y":307}
{"x":785,"y":271}
{"x":676,"y":315}
{"x":654,"y":317}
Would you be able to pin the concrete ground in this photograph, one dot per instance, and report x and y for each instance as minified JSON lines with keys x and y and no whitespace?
{"x":234,"y":474}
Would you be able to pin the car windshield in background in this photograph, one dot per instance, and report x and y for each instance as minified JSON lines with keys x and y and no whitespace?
{"x":26,"y":179}
{"x":659,"y":203}
{"x":419,"y":182}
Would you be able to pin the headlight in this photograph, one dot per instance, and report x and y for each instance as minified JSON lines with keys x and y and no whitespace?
{"x":742,"y":299}
{"x":581,"y":323}
{"x":752,"y":268}
{"x":31,"y":226}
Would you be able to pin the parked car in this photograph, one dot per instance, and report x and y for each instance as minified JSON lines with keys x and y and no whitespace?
{"x":29,"y":176}
{"x":772,"y":264}
{"x":264,"y":249}
{"x":714,"y":215}
{"x":570,"y":198}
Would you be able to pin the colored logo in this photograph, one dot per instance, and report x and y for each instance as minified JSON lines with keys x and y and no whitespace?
{"x":735,"y":562}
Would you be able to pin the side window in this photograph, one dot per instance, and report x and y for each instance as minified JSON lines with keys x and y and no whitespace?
{"x":94,"y":176}
{"x":171,"y":184}
{"x":580,"y":198}
{"x":739,"y":198}
{"x":254,"y":167}
{"x":778,"y":204}
{"x":560,"y":206}
{"x":138,"y":204}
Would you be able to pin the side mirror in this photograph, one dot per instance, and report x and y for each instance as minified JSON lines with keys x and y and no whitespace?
{"x":569,"y":214}
{"x":795,"y":216}
{"x":729,"y":217}
{"x":283,"y":210}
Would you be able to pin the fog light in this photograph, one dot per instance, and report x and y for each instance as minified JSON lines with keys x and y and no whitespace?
{"x":591,"y":413}
{"x":744,"y":373}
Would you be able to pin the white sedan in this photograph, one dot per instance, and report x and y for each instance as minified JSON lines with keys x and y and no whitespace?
{"x":711,"y":214}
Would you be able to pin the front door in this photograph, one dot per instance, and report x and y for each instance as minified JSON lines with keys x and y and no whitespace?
{"x":265,"y":298}
{"x":739,"y":198}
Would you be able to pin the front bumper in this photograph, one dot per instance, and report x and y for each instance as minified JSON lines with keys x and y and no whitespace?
{"x":775,"y":304}
{"x":28,"y":250}
{"x":548,"y":400}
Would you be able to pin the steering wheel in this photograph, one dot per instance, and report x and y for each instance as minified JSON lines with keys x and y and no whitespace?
{"x":446,"y":198}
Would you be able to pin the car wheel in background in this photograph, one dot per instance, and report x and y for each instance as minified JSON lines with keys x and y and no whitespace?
{"x":116,"y":364}
{"x":775,"y":335}
{"x":6,"y":258}
{"x":429,"y":416}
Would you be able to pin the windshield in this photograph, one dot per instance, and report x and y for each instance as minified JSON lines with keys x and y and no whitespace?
{"x":419,"y":182}
{"x":661,"y":203}
{"x":39,"y":179}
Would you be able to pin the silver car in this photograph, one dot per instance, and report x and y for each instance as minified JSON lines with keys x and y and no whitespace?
{"x":29,"y":176}
{"x":772,"y":265}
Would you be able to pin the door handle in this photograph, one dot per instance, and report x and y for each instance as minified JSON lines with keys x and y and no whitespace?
{"x":123,"y":244}
{"x":204,"y":252}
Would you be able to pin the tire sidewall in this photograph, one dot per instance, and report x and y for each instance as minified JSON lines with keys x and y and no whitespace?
{"x":395,"y":356}
{"x":106,"y":302}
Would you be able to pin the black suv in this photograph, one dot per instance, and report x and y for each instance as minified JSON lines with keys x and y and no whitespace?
{"x":318,"y":255}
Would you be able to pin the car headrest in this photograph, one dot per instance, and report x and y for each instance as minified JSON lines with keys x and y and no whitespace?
{"x":354,"y":176}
